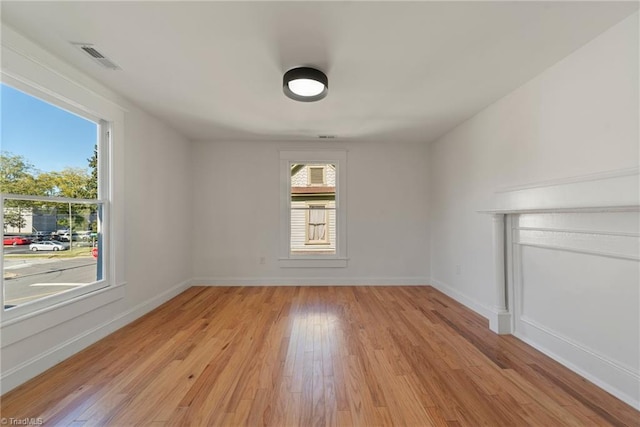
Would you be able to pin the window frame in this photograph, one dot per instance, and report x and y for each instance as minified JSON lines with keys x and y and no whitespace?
{"x":337,"y":157}
{"x":105,"y":179}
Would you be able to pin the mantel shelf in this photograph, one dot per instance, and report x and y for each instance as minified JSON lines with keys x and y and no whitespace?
{"x":564,"y":209}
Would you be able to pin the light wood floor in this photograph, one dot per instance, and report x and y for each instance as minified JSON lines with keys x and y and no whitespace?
{"x":313,"y":356}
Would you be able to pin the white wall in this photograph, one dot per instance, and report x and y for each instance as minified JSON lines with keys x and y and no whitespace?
{"x":236,"y":211}
{"x":158,"y":207}
{"x":575,"y":125}
{"x":577,"y":118}
{"x":151,"y":194}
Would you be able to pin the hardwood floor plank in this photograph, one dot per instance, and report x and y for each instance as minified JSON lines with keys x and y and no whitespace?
{"x":100,"y":410}
{"x":313,"y":356}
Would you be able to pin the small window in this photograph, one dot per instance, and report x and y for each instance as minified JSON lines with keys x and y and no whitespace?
{"x":313,"y":207}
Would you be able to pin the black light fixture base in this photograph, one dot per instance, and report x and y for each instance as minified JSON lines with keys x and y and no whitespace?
{"x":304,"y":73}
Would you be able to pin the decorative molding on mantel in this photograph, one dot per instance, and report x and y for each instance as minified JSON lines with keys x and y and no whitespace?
{"x":564,"y":209}
{"x":604,"y":192}
{"x":578,"y":231}
{"x":599,"y":192}
{"x":580,"y":251}
{"x":610,"y":191}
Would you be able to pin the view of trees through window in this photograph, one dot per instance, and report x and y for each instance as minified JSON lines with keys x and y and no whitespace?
{"x":52,"y":215}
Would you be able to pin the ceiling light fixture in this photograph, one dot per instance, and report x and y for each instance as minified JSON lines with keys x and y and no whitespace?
{"x":305,"y":84}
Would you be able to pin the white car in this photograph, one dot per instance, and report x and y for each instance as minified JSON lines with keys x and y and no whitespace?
{"x":47,"y":246}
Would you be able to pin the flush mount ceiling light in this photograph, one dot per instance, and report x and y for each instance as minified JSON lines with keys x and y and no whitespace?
{"x":305,"y":84}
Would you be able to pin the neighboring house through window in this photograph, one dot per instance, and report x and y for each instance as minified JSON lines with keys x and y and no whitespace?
{"x":317,"y":226}
{"x":313,"y":206}
{"x":316,"y":175}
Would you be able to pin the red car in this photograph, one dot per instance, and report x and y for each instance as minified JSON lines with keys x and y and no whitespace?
{"x":16,"y":240}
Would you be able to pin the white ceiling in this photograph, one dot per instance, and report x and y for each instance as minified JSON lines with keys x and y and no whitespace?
{"x":397,"y":70}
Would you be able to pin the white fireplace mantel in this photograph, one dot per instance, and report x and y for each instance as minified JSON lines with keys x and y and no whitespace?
{"x":611,"y":191}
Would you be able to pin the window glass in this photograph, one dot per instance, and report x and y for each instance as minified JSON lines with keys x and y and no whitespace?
{"x":52,"y":214}
{"x":313,"y":209}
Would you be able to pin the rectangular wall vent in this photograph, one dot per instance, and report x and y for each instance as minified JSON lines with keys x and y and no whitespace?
{"x":90,"y":50}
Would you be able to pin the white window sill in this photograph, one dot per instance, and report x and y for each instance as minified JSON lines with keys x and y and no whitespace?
{"x":313,"y":262}
{"x":31,"y":323}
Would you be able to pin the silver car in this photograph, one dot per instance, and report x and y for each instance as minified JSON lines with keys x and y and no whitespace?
{"x":47,"y":246}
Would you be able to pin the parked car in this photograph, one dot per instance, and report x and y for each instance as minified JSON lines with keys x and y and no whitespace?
{"x":47,"y":246}
{"x":65,"y":237}
{"x":38,"y":236}
{"x":16,"y":240}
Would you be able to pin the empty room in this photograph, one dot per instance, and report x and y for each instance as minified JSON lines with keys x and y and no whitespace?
{"x":320,"y":213}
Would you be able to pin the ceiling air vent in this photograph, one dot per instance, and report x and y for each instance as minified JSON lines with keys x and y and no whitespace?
{"x":90,"y":50}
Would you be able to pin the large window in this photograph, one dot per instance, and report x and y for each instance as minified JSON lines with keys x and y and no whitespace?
{"x":313,"y":208}
{"x":53,"y":205}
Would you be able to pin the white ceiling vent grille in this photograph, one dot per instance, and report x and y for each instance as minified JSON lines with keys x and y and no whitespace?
{"x":90,"y":50}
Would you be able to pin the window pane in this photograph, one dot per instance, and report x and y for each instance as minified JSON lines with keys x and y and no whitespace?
{"x":313,"y":209}
{"x":50,"y":247}
{"x":313,"y":182}
{"x":313,"y":229}
{"x":62,"y":252}
{"x":46,"y":151}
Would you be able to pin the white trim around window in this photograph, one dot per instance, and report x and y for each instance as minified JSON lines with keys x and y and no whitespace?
{"x":338,"y":158}
{"x":31,"y":71}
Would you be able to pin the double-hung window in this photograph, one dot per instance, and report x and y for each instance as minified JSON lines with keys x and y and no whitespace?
{"x":313,"y":208}
{"x":54,"y":185}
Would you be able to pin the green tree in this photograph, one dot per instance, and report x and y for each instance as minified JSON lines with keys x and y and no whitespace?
{"x":13,"y":218}
{"x":72,"y":183}
{"x":77,"y":221}
{"x":69,"y":182}
{"x":92,"y":184}
{"x":19,"y":177}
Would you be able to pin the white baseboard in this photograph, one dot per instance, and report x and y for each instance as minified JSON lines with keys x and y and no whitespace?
{"x":463,"y":299}
{"x":40,"y":363}
{"x":602,"y":372}
{"x":611,"y":376}
{"x":310,"y":281}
